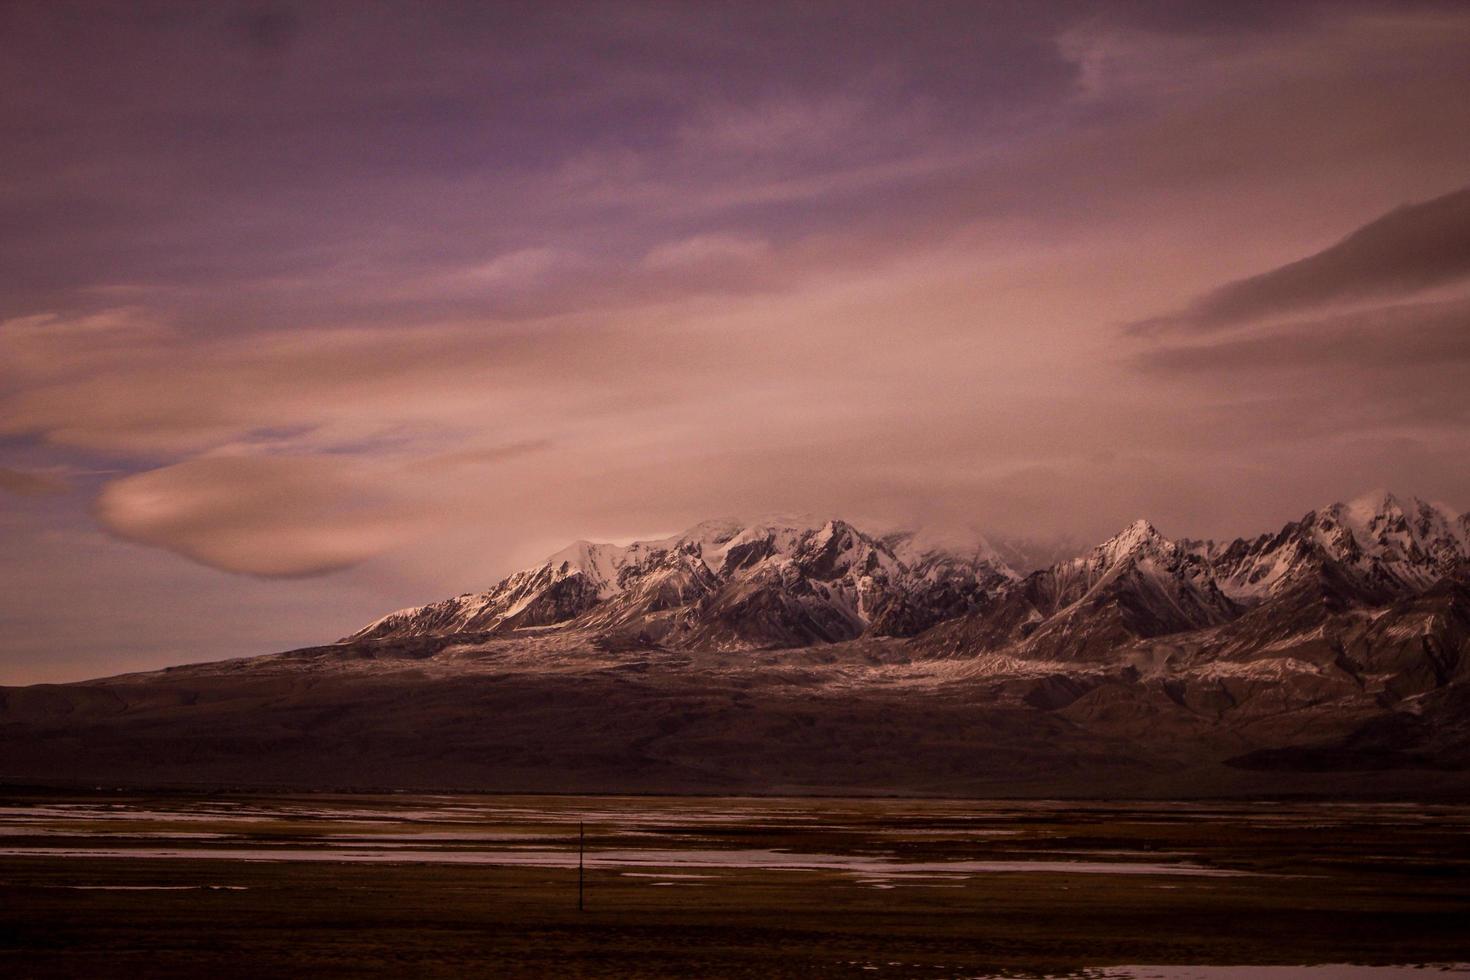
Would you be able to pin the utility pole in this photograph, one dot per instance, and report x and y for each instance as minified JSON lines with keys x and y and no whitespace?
{"x":581,"y":848}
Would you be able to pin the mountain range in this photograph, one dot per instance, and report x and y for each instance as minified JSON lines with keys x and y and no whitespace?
{"x":727,"y":585}
{"x":801,"y":655}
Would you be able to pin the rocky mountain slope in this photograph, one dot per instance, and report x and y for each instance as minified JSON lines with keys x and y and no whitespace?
{"x":1332,"y":656}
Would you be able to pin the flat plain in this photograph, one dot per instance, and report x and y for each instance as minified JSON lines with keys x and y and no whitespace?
{"x":126,"y":884}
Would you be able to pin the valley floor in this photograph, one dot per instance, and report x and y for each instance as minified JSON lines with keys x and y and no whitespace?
{"x":112,"y":884}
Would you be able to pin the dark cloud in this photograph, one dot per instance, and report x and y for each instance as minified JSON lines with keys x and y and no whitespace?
{"x":1374,"y":374}
{"x":1412,"y":248}
{"x":1397,"y":338}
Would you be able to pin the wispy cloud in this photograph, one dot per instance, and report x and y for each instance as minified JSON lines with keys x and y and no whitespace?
{"x":523,"y":267}
{"x":705,"y":250}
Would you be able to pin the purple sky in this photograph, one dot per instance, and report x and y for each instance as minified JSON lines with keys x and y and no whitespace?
{"x":311,"y":311}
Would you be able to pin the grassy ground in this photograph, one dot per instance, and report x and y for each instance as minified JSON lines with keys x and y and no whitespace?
{"x":1326,"y":884}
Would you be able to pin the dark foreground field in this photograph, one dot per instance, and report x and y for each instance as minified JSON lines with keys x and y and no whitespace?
{"x":450,"y":886}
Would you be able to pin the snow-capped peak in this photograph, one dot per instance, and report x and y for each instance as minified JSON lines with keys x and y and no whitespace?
{"x":1384,"y":543}
{"x":599,"y":561}
{"x":1402,"y":531}
{"x":1138,"y":538}
{"x":1138,"y":546}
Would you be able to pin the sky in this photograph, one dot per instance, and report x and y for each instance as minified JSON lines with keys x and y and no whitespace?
{"x":313,"y":311}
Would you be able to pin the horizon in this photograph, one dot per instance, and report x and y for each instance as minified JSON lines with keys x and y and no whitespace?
{"x":312,"y":309}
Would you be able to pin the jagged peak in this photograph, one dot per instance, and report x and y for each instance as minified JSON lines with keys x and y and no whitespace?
{"x":598,"y":562}
{"x":1366,"y":508}
{"x":713,"y":537}
{"x":1134,"y":543}
{"x":1142,"y":528}
{"x":711,"y":540}
{"x":833,"y":527}
{"x":1141,"y":535}
{"x":1377,"y":516}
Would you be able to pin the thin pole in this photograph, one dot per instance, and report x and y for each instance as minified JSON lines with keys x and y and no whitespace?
{"x":581,"y":848}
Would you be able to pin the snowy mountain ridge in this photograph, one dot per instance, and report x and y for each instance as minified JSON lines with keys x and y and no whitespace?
{"x":1384,"y":543}
{"x":728,"y":584}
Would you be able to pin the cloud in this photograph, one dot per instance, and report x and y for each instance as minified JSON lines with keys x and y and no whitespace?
{"x":40,"y":346}
{"x":175,"y":393}
{"x":489,"y":456}
{"x":1411,"y":337}
{"x":786,"y":126}
{"x":274,"y":517}
{"x":30,"y":484}
{"x":705,"y":250}
{"x":1392,"y":372}
{"x":1412,"y":248}
{"x":517,"y":269}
